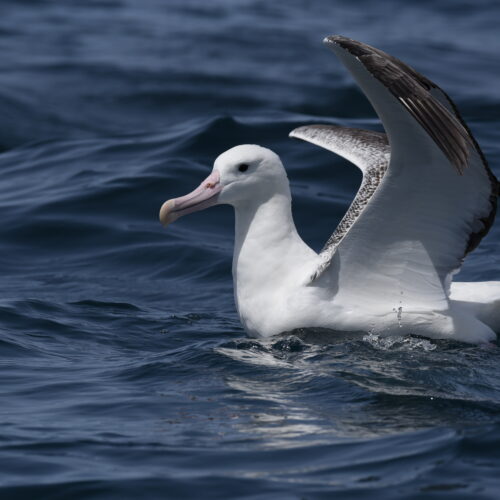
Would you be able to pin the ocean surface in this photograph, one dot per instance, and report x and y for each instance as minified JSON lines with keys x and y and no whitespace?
{"x":124,"y":371}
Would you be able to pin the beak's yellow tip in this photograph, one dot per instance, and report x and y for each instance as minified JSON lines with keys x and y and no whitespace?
{"x":165,"y":215}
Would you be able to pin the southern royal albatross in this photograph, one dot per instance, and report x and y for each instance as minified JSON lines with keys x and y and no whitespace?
{"x":426,"y":200}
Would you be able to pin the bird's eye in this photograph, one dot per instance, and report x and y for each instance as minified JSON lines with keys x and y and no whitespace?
{"x":243,"y":167}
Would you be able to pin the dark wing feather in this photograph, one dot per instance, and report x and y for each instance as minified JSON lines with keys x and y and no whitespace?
{"x":434,"y":111}
{"x":412,"y":90}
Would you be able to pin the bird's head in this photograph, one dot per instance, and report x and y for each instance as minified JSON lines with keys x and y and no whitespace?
{"x":243,"y":174}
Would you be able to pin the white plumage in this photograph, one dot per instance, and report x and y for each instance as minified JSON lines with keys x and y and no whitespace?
{"x":426,"y":200}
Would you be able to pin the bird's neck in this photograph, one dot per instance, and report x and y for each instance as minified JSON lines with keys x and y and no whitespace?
{"x":268,"y":250}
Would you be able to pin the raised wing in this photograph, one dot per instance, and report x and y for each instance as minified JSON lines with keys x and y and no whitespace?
{"x":369,"y":151}
{"x":363,"y":148}
{"x":435,"y":202}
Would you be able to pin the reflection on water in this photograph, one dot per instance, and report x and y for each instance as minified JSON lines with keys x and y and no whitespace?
{"x":322,"y":393}
{"x":284,"y":424}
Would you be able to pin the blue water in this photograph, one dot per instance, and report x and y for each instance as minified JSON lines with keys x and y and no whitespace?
{"x":124,"y":370}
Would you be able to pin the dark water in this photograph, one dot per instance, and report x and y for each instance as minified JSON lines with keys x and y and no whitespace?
{"x":124,"y":370}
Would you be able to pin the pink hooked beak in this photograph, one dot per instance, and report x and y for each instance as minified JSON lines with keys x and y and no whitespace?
{"x":204,"y":196}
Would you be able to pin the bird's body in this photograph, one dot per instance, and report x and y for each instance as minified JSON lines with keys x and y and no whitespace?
{"x":426,"y":200}
{"x":272,"y":267}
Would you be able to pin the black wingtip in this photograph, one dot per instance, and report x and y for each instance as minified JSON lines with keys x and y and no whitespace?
{"x":354,"y":47}
{"x":413,"y":91}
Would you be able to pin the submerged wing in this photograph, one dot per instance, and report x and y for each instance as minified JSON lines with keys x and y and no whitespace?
{"x":435,"y":202}
{"x":368,"y":150}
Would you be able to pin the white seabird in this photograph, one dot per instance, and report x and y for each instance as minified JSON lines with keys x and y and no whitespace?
{"x":426,"y":200}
